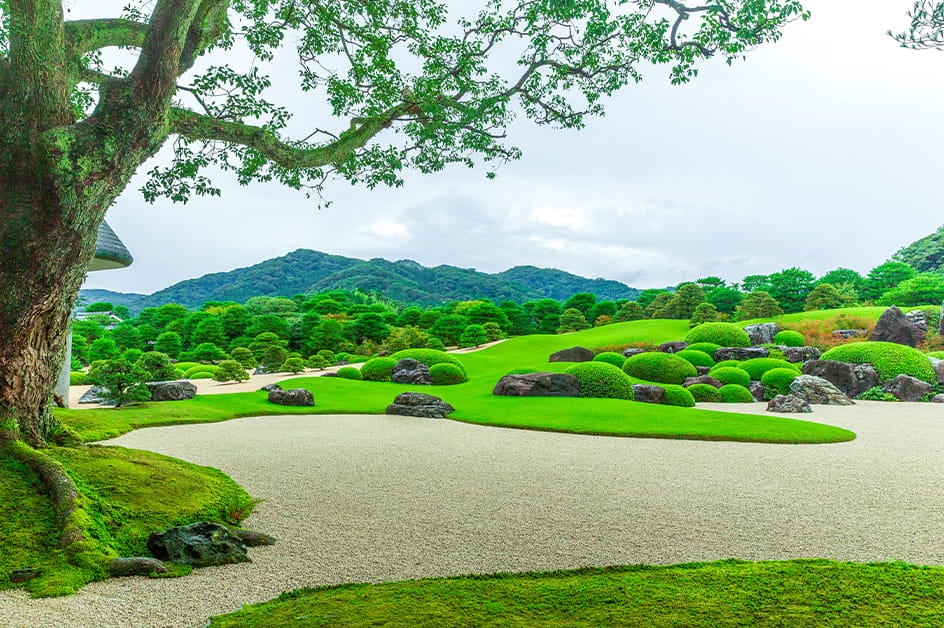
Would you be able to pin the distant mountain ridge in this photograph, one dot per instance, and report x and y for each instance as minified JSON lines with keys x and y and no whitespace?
{"x":926,"y":254}
{"x":405,"y":281}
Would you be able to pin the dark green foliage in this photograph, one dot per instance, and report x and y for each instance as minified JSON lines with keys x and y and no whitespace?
{"x":328,"y":356}
{"x":158,"y":367}
{"x":368,"y":326}
{"x":735,"y":393}
{"x":678,"y":396}
{"x":922,"y":289}
{"x":731,"y":375}
{"x":76,"y":378}
{"x":790,"y":288}
{"x":349,"y":372}
{"x":207,"y":352}
{"x":704,"y":347}
{"x":378,"y":369}
{"x":776,"y":381}
{"x":103,"y":349}
{"x":704,"y":393}
{"x":559,"y":285}
{"x":581,"y":301}
{"x":273,"y":358}
{"x":758,"y":304}
{"x":825,"y":296}
{"x":888,"y":358}
{"x":120,"y":382}
{"x":194,"y":371}
{"x":726,"y":299}
{"x":473,"y":336}
{"x":230,"y":371}
{"x":169,"y":342}
{"x":316,"y":362}
{"x":601,"y":380}
{"x":429,"y":357}
{"x":435,"y":343}
{"x":449,"y":328}
{"x":611,"y":357}
{"x":875,"y":393}
{"x":704,"y":313}
{"x":884,"y":277}
{"x":756,"y":367}
{"x":665,"y":368}
{"x":789,"y":338}
{"x":245,"y":357}
{"x":753,"y":283}
{"x":723,"y":334}
{"x":294,"y":365}
{"x":659,"y":308}
{"x":571,"y":319}
{"x":629,"y":311}
{"x":127,"y":336}
{"x":445,"y":374}
{"x":924,"y":255}
{"x":684,"y":302}
{"x":695,"y":357}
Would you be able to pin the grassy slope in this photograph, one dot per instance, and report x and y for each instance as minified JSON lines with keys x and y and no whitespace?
{"x":725,"y":593}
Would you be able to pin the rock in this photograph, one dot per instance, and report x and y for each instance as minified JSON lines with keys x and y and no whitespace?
{"x":907,"y":388}
{"x":702,"y":379}
{"x":574,"y":354}
{"x":788,"y":403}
{"x":252,"y":539}
{"x":538,"y":385}
{"x":894,"y":326}
{"x":800,"y":354}
{"x":672,"y":347}
{"x":92,"y":395}
{"x":270,"y":388}
{"x":138,"y":566}
{"x":328,"y":374}
{"x":176,"y":390}
{"x":261,"y":370}
{"x":937,"y":399}
{"x":648,"y":393}
{"x":762,"y":333}
{"x":817,"y":390}
{"x":201,"y":544}
{"x":852,"y":379}
{"x":702,"y":370}
{"x":631,"y":351}
{"x":409,"y":371}
{"x":919,"y":319}
{"x":848,"y":333}
{"x":19,"y":576}
{"x":419,"y":405}
{"x":938,"y":366}
{"x":293,"y":397}
{"x":758,"y":390}
{"x":740,"y":353}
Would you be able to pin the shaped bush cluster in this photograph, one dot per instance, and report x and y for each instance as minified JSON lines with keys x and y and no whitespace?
{"x":696,"y":357}
{"x":664,"y":368}
{"x":734,"y":393}
{"x":429,"y":357}
{"x":610,"y":357}
{"x":776,"y":381}
{"x":731,"y":375}
{"x":446,"y":374}
{"x":888,"y":358}
{"x":724,"y":363}
{"x":678,"y":396}
{"x":789,"y":338}
{"x":723,"y":334}
{"x":705,"y":393}
{"x":349,"y":372}
{"x":602,"y":380}
{"x":76,"y":378}
{"x":378,"y":369}
{"x":756,"y":367}
{"x":706,"y":347}
{"x":198,"y":371}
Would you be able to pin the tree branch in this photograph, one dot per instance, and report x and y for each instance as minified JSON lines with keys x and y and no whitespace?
{"x":84,"y":36}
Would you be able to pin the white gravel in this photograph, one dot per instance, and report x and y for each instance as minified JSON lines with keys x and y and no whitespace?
{"x":374,"y":498}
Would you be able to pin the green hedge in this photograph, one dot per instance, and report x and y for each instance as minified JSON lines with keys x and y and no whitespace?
{"x":429,"y":357}
{"x":696,"y":357}
{"x":888,"y":358}
{"x":186,"y":366}
{"x":678,"y":396}
{"x":378,"y":369}
{"x":776,"y":381}
{"x":445,"y":374}
{"x":705,"y":393}
{"x":200,"y":374}
{"x":723,"y":334}
{"x":610,"y":357}
{"x":350,"y":372}
{"x":789,"y":338}
{"x":756,"y":367}
{"x":663,"y":368}
{"x":734,"y":393}
{"x":76,"y":378}
{"x":726,"y":363}
{"x":602,"y":380}
{"x":707,"y":347}
{"x":201,"y":368}
{"x":731,"y":375}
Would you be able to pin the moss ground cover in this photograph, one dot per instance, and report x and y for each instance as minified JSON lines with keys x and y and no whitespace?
{"x":724,"y":593}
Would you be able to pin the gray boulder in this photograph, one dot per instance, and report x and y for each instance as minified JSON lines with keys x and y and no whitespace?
{"x":758,"y":390}
{"x":800,"y":354}
{"x":937,"y":399}
{"x":201,"y":544}
{"x":845,"y":334}
{"x":938,"y":366}
{"x":293,"y":397}
{"x":631,"y":351}
{"x":419,"y":405}
{"x":852,"y":379}
{"x":907,"y":388}
{"x":176,"y":390}
{"x":788,"y":403}
{"x":894,"y":326}
{"x":137,"y":566}
{"x":740,"y":353}
{"x":702,"y":379}
{"x":817,"y":390}
{"x":672,"y":347}
{"x":919,"y":319}
{"x":538,"y":385}
{"x":762,"y":333}
{"x":648,"y":393}
{"x":574,"y":354}
{"x":409,"y":371}
{"x":270,"y":387}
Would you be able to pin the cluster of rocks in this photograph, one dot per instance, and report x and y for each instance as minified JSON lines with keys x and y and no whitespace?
{"x":174,"y":390}
{"x":420,"y":405}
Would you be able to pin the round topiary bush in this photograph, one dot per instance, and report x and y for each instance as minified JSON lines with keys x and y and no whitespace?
{"x":705,"y":393}
{"x":756,"y":367}
{"x":723,"y":334}
{"x":789,"y":338}
{"x":678,"y":396}
{"x":707,"y":347}
{"x":602,"y":380}
{"x":445,"y":374}
{"x":777,"y":381}
{"x":200,"y":374}
{"x":726,"y":363}
{"x":350,"y":372}
{"x":888,"y":358}
{"x":696,"y":357}
{"x":429,"y":357}
{"x":936,"y":354}
{"x":524,"y":370}
{"x":200,"y":368}
{"x":663,"y":368}
{"x":76,"y":378}
{"x":186,"y":366}
{"x":610,"y":357}
{"x":731,"y":375}
{"x":378,"y":369}
{"x":734,"y":393}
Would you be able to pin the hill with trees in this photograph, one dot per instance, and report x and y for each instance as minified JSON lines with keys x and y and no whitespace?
{"x":925,"y":254}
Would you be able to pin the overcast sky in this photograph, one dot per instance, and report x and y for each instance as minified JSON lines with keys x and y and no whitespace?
{"x":820,"y":151}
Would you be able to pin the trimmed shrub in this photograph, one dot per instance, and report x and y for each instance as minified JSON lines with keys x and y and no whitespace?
{"x":663,"y":368}
{"x":875,"y":393}
{"x":524,"y":370}
{"x":936,"y":354}
{"x":230,"y":371}
{"x":705,"y":393}
{"x":429,"y":357}
{"x":678,"y":396}
{"x":349,"y":372}
{"x":76,"y":378}
{"x":734,"y":393}
{"x":724,"y":334}
{"x":200,"y":375}
{"x":293,"y":365}
{"x":378,"y":369}
{"x":731,"y":375}
{"x":445,"y":374}
{"x":158,"y":366}
{"x":705,"y":347}
{"x":695,"y":357}
{"x":602,"y":380}
{"x":186,"y":366}
{"x":789,"y":338}
{"x":192,"y":373}
{"x":756,"y":367}
{"x":726,"y":363}
{"x":888,"y":358}
{"x":611,"y":357}
{"x":776,"y":381}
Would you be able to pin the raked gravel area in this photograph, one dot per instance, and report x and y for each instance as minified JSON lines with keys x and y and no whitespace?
{"x":374,"y":498}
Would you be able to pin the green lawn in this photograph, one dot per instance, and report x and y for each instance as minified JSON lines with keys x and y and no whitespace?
{"x":794,"y":593}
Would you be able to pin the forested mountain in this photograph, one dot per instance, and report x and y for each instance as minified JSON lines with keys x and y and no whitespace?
{"x":405,"y":281}
{"x":924,"y":255}
{"x":128,"y":299}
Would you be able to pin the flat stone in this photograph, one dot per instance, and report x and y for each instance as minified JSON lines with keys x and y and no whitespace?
{"x":137,"y":566}
{"x":293,"y":397}
{"x":538,"y":385}
{"x":817,"y":390}
{"x":740,"y":353}
{"x":648,"y":393}
{"x":574,"y":354}
{"x":201,"y":544}
{"x":800,"y":354}
{"x":788,"y":404}
{"x":419,"y":405}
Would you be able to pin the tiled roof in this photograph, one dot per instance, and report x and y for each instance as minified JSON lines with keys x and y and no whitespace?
{"x":110,"y":252}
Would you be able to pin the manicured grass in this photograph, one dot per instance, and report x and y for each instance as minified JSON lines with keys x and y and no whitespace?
{"x":725,"y":593}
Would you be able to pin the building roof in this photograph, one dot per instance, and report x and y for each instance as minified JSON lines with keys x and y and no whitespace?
{"x":110,"y":252}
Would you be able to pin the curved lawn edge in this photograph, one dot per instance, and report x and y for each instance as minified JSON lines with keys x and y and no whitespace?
{"x":729,"y":592}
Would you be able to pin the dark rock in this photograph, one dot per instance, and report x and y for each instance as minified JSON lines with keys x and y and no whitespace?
{"x":672,"y":347}
{"x":852,"y":379}
{"x":907,"y":388}
{"x":758,"y":391}
{"x":740,"y":353}
{"x":574,"y":354}
{"x":648,"y":393}
{"x":19,"y":576}
{"x":702,"y":370}
{"x":894,"y":326}
{"x":201,"y":544}
{"x":762,"y":333}
{"x":938,"y":366}
{"x":817,"y":390}
{"x":788,"y":403}
{"x":631,"y":351}
{"x":293,"y":397}
{"x":848,"y":333}
{"x":409,"y":371}
{"x":538,"y":385}
{"x":92,"y":395}
{"x":330,"y":374}
{"x":261,"y":370}
{"x":800,"y":354}
{"x":419,"y":405}
{"x":138,"y":566}
{"x":702,"y":379}
{"x":252,"y":539}
{"x":270,"y":388}
{"x":937,"y":399}
{"x":919,"y":319}
{"x":176,"y":390}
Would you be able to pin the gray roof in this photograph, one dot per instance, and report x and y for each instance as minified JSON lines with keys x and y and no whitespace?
{"x":110,"y":252}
